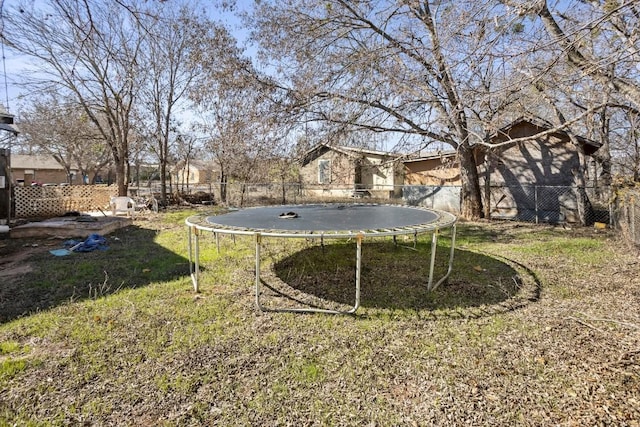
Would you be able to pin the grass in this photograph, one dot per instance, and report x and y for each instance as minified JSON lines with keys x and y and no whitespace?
{"x":536,"y":326}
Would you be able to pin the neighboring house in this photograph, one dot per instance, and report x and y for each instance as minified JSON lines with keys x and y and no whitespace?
{"x":338,"y":171}
{"x":28,"y":169}
{"x":433,"y":180}
{"x":196,"y":172}
{"x":437,"y":168}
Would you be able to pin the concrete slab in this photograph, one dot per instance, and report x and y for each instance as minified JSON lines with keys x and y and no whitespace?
{"x":70,"y":226}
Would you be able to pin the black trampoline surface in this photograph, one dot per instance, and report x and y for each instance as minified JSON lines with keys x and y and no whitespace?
{"x":325,"y":217}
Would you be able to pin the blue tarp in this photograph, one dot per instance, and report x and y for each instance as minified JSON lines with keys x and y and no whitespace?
{"x":91,"y":243}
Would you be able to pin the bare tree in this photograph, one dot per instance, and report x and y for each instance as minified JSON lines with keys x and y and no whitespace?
{"x":618,"y":19}
{"x":418,"y":70}
{"x":625,"y":144}
{"x":178,"y":39}
{"x":60,"y":127}
{"x":592,"y":51}
{"x":231,"y":124}
{"x":237,"y":114}
{"x":188,"y":147}
{"x":89,"y":48}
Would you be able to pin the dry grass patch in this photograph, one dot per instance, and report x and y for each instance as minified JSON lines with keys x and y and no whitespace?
{"x":536,"y":326}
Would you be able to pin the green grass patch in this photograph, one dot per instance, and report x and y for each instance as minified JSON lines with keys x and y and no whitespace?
{"x":10,"y":367}
{"x":9,"y":347}
{"x":580,"y":249}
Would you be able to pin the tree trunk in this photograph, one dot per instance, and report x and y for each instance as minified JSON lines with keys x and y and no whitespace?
{"x":243,"y":189}
{"x":163,"y":182}
{"x":284,"y":191}
{"x":487,"y":186}
{"x":223,"y":187}
{"x":121,"y":178}
{"x":603,"y":158}
{"x":470,"y":192}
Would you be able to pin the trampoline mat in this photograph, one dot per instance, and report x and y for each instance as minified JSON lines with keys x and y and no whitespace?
{"x":330,"y":217}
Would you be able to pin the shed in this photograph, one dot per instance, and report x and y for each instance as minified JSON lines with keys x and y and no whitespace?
{"x":534,"y":179}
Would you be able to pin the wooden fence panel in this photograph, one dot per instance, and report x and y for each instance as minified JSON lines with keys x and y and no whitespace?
{"x":50,"y":201}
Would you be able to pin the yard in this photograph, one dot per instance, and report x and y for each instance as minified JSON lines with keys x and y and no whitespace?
{"x":538,"y":325}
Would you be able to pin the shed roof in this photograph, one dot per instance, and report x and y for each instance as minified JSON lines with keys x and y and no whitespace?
{"x":590,"y":146}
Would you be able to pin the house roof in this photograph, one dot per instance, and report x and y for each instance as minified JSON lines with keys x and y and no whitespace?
{"x":35,"y":161}
{"x":352,"y":152}
{"x":199,"y":164}
{"x":357,"y":150}
{"x":10,"y":128}
{"x":589,"y":145}
{"x":204,"y":164}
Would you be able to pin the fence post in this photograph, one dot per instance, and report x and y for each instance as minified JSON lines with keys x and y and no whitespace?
{"x":612,"y":221}
{"x":535,"y":198}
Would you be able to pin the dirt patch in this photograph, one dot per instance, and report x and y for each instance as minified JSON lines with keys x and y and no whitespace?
{"x":15,"y":257}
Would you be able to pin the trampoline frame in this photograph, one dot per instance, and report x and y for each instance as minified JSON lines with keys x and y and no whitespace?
{"x":198,"y":224}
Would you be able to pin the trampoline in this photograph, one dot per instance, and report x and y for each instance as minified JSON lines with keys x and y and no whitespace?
{"x":322,"y":221}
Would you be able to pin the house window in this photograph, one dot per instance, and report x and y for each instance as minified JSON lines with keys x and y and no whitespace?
{"x":324,"y":171}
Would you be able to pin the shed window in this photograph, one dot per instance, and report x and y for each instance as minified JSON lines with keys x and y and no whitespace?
{"x":324,"y":171}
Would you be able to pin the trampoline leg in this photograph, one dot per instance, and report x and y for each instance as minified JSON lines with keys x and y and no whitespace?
{"x":217,"y":236}
{"x":189,"y":233}
{"x":358,"y":271}
{"x":434,"y":245}
{"x":258,"y":239}
{"x":451,"y":253}
{"x":194,"y":262}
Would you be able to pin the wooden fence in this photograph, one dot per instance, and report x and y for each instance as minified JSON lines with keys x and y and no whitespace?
{"x":50,"y":201}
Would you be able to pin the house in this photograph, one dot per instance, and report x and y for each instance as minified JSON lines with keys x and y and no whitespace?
{"x":433,"y":180}
{"x":196,"y":172}
{"x":435,"y":168}
{"x":339,"y":171}
{"x":28,"y":169}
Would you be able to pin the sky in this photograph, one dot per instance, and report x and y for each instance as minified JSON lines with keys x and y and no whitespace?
{"x":12,"y":66}
{"x":12,"y":96}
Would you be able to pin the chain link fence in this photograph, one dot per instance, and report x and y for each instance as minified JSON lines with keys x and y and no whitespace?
{"x":237,"y":193}
{"x":549,"y":204}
